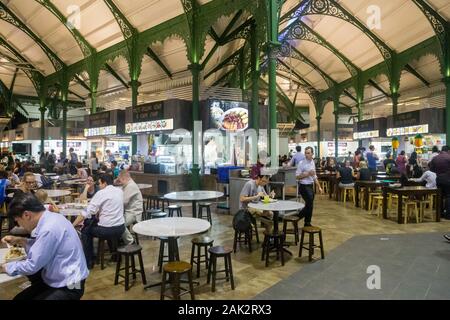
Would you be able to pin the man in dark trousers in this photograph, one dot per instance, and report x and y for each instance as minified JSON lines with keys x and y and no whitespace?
{"x":440,"y":165}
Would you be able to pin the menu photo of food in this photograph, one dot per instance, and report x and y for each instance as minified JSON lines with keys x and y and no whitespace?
{"x":235,"y":119}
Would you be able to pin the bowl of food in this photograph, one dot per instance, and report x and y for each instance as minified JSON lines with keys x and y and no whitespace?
{"x":15,"y":254}
{"x":216,"y":115}
{"x":235,"y":119}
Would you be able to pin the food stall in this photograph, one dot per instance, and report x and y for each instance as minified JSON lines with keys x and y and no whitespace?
{"x":164,"y":144}
{"x":373,"y":132}
{"x":106,"y":131}
{"x":418,"y":130}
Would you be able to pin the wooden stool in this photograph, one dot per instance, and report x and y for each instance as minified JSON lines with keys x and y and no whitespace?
{"x":349,"y":191}
{"x":161,"y":256}
{"x":294,"y":220}
{"x":423,"y":204}
{"x":129,"y":252}
{"x":248,"y":235}
{"x":371,"y":195}
{"x":207,"y":206}
{"x":175,"y":270}
{"x":199,"y":243}
{"x":324,"y":186}
{"x":175,"y":208}
{"x":411,"y":205}
{"x":378,"y":201}
{"x":220,"y":252}
{"x":153,"y":214}
{"x":112,"y":243}
{"x":273,"y":242}
{"x":362,"y":197}
{"x":311,"y":246}
{"x":433,"y":198}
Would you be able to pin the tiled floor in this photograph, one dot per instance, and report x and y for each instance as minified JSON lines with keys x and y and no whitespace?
{"x":410,"y":266}
{"x":339,"y":223}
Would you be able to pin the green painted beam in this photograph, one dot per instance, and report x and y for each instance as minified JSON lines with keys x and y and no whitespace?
{"x":348,"y":94}
{"x":224,"y":63}
{"x":298,"y":30}
{"x":376,"y":86}
{"x":237,"y":33}
{"x":125,"y":26}
{"x":82,"y":83}
{"x":13,"y":82}
{"x":35,"y":100}
{"x":8,"y":16}
{"x":85,"y":47}
{"x":214,"y":35}
{"x":76,"y":94}
{"x":223,"y":77}
{"x":158,"y":61}
{"x":116,"y":75}
{"x":294,"y":72}
{"x":219,"y":40}
{"x":415,"y":73}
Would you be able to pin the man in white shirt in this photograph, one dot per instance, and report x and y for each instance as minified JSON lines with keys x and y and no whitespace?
{"x":297,"y":158}
{"x":132,"y":201}
{"x":104,"y":216}
{"x":306,"y":176}
{"x":429,"y":177}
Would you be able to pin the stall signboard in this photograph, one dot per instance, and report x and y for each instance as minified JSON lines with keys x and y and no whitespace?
{"x":102,"y":131}
{"x":366,"y":134}
{"x":149,"y":126}
{"x":408,"y":119}
{"x":413,"y":130}
{"x":19,"y":134}
{"x":104,"y":123}
{"x":100,"y":120}
{"x":228,"y":115}
{"x":148,"y":112}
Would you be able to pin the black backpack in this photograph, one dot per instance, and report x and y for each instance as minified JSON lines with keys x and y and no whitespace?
{"x":242,"y":221}
{"x":47,"y":183}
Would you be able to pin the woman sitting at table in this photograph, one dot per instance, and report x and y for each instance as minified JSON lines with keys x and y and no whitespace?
{"x":90,"y":190}
{"x":364,"y":173}
{"x":330,"y":165}
{"x":345,"y":174}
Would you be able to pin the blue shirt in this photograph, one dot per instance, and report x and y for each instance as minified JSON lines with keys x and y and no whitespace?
{"x":56,"y":249}
{"x":296,"y":159}
{"x":372,"y":160}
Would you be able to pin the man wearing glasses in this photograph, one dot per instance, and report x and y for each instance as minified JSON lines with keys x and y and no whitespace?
{"x":28,"y":184}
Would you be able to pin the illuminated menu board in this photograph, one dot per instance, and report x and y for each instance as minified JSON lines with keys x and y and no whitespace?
{"x":366,"y":135}
{"x":149,"y":126}
{"x":407,"y":130}
{"x":102,"y":131}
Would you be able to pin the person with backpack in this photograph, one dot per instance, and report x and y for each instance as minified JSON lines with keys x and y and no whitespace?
{"x":253,"y":191}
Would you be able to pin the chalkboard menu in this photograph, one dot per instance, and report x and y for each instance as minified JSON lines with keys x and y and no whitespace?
{"x":148,"y":112}
{"x":105,"y":123}
{"x":101,"y":119}
{"x":366,"y":125}
{"x":407,"y":119}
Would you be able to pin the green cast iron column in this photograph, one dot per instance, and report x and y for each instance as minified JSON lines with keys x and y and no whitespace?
{"x":447,"y":109}
{"x":93,"y":102}
{"x":255,"y":78}
{"x":195,"y":69}
{"x":319,"y":137}
{"x":64,"y":100}
{"x":42,"y":110}
{"x":134,"y":84}
{"x":359,"y":106}
{"x":395,"y":97}
{"x":336,"y":127}
{"x":273,"y":44}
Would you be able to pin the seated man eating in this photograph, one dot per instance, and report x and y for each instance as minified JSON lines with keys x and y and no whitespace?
{"x":252,"y":191}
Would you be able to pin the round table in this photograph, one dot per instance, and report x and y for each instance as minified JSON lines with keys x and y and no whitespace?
{"x":276,"y":207}
{"x":194,"y":196}
{"x":58,"y":193}
{"x":49,"y":174}
{"x":75,"y":182}
{"x":144,"y":186}
{"x":68,"y":212}
{"x":171,"y":228}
